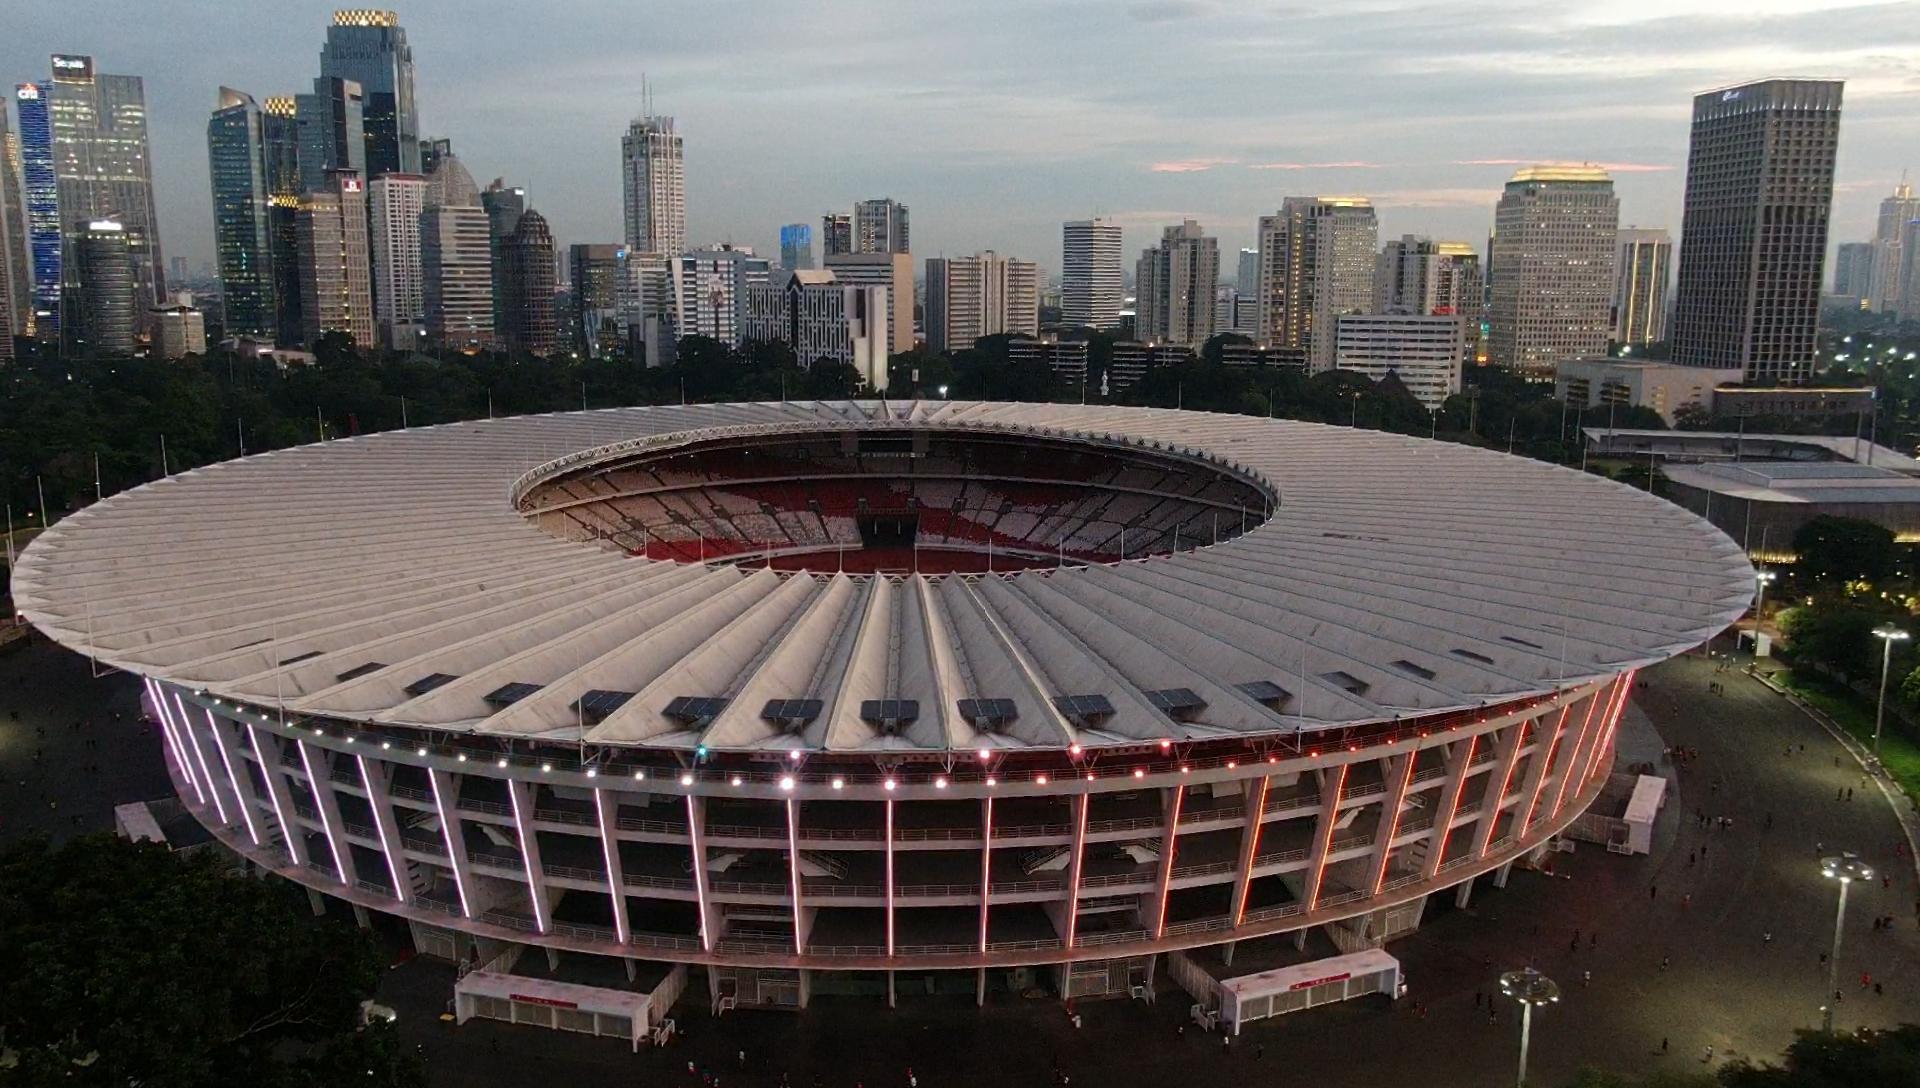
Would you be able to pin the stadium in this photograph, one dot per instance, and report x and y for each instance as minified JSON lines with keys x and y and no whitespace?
{"x":794,"y":692}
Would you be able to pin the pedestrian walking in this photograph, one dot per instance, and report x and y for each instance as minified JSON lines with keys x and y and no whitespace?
{"x":1692,"y":856}
{"x":743,"y":1059}
{"x":1663,"y":1044}
{"x":1593,"y":940}
{"x":1666,"y":962}
{"x":1586,"y":978}
{"x":1767,"y":937}
{"x":1703,"y":851}
{"x":1708,"y":1056}
{"x":1849,"y":793}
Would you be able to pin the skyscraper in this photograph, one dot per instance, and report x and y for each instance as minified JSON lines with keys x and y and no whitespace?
{"x":796,"y":246}
{"x":527,"y":275}
{"x":1416,"y":275}
{"x":505,"y":204}
{"x":982,"y":295}
{"x":330,"y":124}
{"x":1091,"y":283}
{"x":1853,"y":269}
{"x":1640,"y":286}
{"x":280,"y":135}
{"x":1174,"y":286}
{"x":654,"y":185}
{"x":17,"y":296}
{"x":242,"y":234}
{"x":397,"y":202}
{"x":370,"y":49}
{"x":456,"y":260}
{"x":1890,"y":258}
{"x":103,"y":166}
{"x":336,"y":295}
{"x":101,"y":309}
{"x":1317,"y":262}
{"x":836,"y":234}
{"x":893,"y":271}
{"x":710,"y":291}
{"x":40,"y":187}
{"x":880,"y":226}
{"x":595,"y":270}
{"x":1753,"y":238}
{"x":1555,"y":230}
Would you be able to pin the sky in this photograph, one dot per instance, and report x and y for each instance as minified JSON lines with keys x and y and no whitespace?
{"x":994,"y":120}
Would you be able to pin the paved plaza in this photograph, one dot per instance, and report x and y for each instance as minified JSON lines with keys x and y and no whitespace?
{"x":1703,"y":903}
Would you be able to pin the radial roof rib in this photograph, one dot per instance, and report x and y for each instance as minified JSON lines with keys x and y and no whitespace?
{"x":454,"y":640}
{"x":1001,"y":667}
{"x":806,"y":663}
{"x":713,"y":668}
{"x":1069,"y":667}
{"x":890,"y":656}
{"x":706,"y":649}
{"x":608,"y":654}
{"x":1157,"y":651}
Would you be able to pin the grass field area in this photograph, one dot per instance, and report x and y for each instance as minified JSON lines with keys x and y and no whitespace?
{"x":1855,"y":714}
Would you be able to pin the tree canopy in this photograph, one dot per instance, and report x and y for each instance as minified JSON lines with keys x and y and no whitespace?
{"x":126,"y":963}
{"x":1834,"y":550}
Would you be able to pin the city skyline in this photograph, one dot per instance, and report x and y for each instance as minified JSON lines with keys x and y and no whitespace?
{"x":994,"y":170}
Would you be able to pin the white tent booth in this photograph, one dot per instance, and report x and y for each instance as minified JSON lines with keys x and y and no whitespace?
{"x":566,"y":1006}
{"x":1304,"y":985}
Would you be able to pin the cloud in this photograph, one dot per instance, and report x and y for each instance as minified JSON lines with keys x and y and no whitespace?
{"x":1351,"y":165}
{"x":1436,"y":198}
{"x":1166,"y":11}
{"x":1189,"y":166}
{"x":1610,"y":167}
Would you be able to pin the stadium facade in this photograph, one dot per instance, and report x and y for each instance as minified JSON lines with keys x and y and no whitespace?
{"x":792,"y":688}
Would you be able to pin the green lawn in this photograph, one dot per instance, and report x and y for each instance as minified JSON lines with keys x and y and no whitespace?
{"x":1855,"y":715}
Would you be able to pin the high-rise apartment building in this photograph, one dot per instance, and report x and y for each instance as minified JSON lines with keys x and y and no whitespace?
{"x":710,"y":291}
{"x":1174,"y":286}
{"x":370,"y":48}
{"x":893,"y":271}
{"x":1091,"y":283}
{"x":1317,"y":261}
{"x":811,"y":311}
{"x":654,"y":185}
{"x":17,"y":295}
{"x":102,"y":310}
{"x":880,"y":226}
{"x":1908,"y":308}
{"x":336,"y":292}
{"x":526,"y":259}
{"x":1555,"y":231}
{"x":595,"y":271}
{"x":456,"y":260}
{"x":836,"y":234}
{"x":103,"y":166}
{"x":1416,"y":275}
{"x":242,"y":234}
{"x":1891,"y":260}
{"x":40,"y":189}
{"x":796,"y":246}
{"x":397,"y":203}
{"x":1753,"y":238}
{"x":647,"y":306}
{"x":1853,"y":273}
{"x":331,"y":132}
{"x":1640,"y":275}
{"x":982,"y":295}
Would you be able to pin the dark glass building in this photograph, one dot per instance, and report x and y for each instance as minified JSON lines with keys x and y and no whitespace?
{"x":370,"y":48}
{"x":242,"y":235}
{"x":41,"y":187}
{"x":102,"y":307}
{"x":526,"y":258}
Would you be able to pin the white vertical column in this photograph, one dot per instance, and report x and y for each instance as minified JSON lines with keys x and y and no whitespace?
{"x":889,"y":804}
{"x":291,"y":833}
{"x":1571,"y":758}
{"x":242,"y":795}
{"x":1075,"y":863}
{"x":616,"y":873}
{"x":375,"y":776}
{"x":1333,"y":782}
{"x":986,"y":875}
{"x":697,"y":833}
{"x":192,"y":736}
{"x":793,"y":875}
{"x":1498,"y":779}
{"x":1545,"y":748}
{"x":328,"y":805}
{"x":1459,"y":762}
{"x":521,"y":794}
{"x":1399,"y":777}
{"x":176,"y":747}
{"x":1249,"y":846}
{"x":1169,"y":846}
{"x":446,"y":797}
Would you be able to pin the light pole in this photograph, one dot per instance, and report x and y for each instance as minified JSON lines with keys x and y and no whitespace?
{"x":1530,"y":988}
{"x":1889,"y":634}
{"x":1846,"y":868}
{"x":1760,"y":580}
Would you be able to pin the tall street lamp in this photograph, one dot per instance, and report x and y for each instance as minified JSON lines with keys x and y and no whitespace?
{"x":1846,"y":868}
{"x":1760,"y":580}
{"x":1888,"y":634}
{"x":1530,"y":988}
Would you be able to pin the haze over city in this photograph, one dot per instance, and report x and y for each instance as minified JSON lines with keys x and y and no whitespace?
{"x":996,"y":121}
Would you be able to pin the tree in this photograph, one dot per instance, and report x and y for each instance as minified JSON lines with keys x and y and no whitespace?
{"x":1834,"y":550}
{"x":126,"y":963}
{"x":1837,"y":1060}
{"x":1692,"y":416}
{"x":1835,"y":634}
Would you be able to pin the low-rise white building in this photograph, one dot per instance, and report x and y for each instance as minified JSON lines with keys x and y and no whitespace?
{"x":1663,"y":387}
{"x":821,"y":318}
{"x":1423,"y":350}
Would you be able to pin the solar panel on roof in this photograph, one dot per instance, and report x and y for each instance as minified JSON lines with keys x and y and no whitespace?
{"x":695,"y":708}
{"x":791,"y":710}
{"x":1084,"y":706}
{"x":360,"y":670}
{"x":988,"y":711}
{"x":509,"y":694}
{"x":1345,"y":681}
{"x":1412,"y":669}
{"x":300,"y":657}
{"x":1265,"y":691}
{"x":429,"y":682}
{"x":1176,"y":700}
{"x":889,"y":711}
{"x":597,"y":703}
